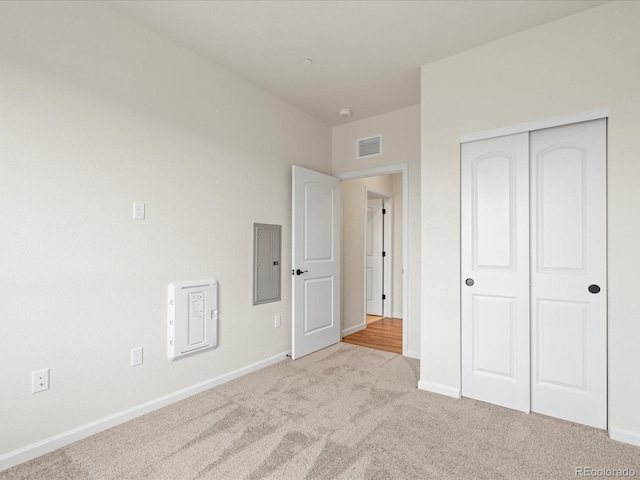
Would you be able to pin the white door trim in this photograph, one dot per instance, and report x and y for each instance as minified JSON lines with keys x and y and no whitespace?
{"x":537,"y":125}
{"x":402,"y":168}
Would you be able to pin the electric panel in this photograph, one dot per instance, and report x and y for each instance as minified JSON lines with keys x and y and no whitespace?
{"x":266,"y":263}
{"x":193,"y":317}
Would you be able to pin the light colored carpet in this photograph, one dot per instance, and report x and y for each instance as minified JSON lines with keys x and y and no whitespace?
{"x":346,"y":412}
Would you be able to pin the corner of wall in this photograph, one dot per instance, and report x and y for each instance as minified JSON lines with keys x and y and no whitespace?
{"x":440,"y":389}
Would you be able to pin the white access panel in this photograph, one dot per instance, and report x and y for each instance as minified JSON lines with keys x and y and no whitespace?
{"x":193,"y":317}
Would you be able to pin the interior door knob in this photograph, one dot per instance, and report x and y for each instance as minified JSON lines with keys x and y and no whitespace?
{"x":300,"y":272}
{"x":594,"y":288}
{"x":469,"y":282}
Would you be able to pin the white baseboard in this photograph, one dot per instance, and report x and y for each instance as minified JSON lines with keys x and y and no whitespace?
{"x":439,"y":389}
{"x":350,"y":330}
{"x":625,"y":436}
{"x":397,"y":315}
{"x":47,"y":445}
{"x":413,"y":354}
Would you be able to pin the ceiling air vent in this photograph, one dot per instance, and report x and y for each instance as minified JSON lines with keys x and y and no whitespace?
{"x":369,"y":147}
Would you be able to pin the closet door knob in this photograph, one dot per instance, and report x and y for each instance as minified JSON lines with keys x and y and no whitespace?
{"x":594,"y":288}
{"x":469,"y":282}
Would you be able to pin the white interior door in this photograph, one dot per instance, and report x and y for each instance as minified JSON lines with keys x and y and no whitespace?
{"x":495,"y":271}
{"x":316,"y":261}
{"x":568,"y":255}
{"x":374,"y":259}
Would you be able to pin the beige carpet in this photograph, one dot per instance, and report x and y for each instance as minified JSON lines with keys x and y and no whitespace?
{"x":346,"y":412}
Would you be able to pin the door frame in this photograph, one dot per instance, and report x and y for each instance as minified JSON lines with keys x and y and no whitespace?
{"x":387,"y":261}
{"x":402,"y":168}
{"x":537,"y":125}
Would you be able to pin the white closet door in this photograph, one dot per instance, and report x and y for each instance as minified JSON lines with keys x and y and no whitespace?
{"x":568,"y":259}
{"x":495,"y":271}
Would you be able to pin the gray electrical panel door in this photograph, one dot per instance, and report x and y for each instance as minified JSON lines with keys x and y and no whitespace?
{"x":266,"y":263}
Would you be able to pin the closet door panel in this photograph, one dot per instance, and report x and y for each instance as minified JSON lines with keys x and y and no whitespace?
{"x":561,"y":207}
{"x":495,"y":271}
{"x":568,"y":256}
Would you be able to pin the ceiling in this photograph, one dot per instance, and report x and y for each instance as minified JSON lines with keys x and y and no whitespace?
{"x":366,"y":54}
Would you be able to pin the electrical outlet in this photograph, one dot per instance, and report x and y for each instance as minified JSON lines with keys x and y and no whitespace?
{"x":138,"y":211}
{"x":278,"y":321}
{"x":40,"y":381}
{"x":136,"y":356}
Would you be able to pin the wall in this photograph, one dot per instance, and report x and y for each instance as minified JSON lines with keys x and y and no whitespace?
{"x":580,"y":63}
{"x":400,"y":130}
{"x":353,"y":231}
{"x":98,"y":112}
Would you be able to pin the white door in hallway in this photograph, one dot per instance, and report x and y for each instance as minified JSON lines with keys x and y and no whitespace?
{"x":495,"y":271}
{"x":569,"y":273}
{"x":374,"y":248}
{"x":316,"y":261}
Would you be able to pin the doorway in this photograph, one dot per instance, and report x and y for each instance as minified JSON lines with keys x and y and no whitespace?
{"x":373,"y":247}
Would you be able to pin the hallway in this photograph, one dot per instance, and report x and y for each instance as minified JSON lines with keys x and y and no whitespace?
{"x":381,"y":333}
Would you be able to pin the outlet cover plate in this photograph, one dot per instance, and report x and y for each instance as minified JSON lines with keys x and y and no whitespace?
{"x":40,"y":380}
{"x":138,"y":211}
{"x":136,"y":356}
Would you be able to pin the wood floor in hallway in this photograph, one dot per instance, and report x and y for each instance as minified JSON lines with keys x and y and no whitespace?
{"x":381,"y":334}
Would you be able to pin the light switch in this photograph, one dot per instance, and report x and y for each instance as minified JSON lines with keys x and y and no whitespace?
{"x":138,"y":211}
